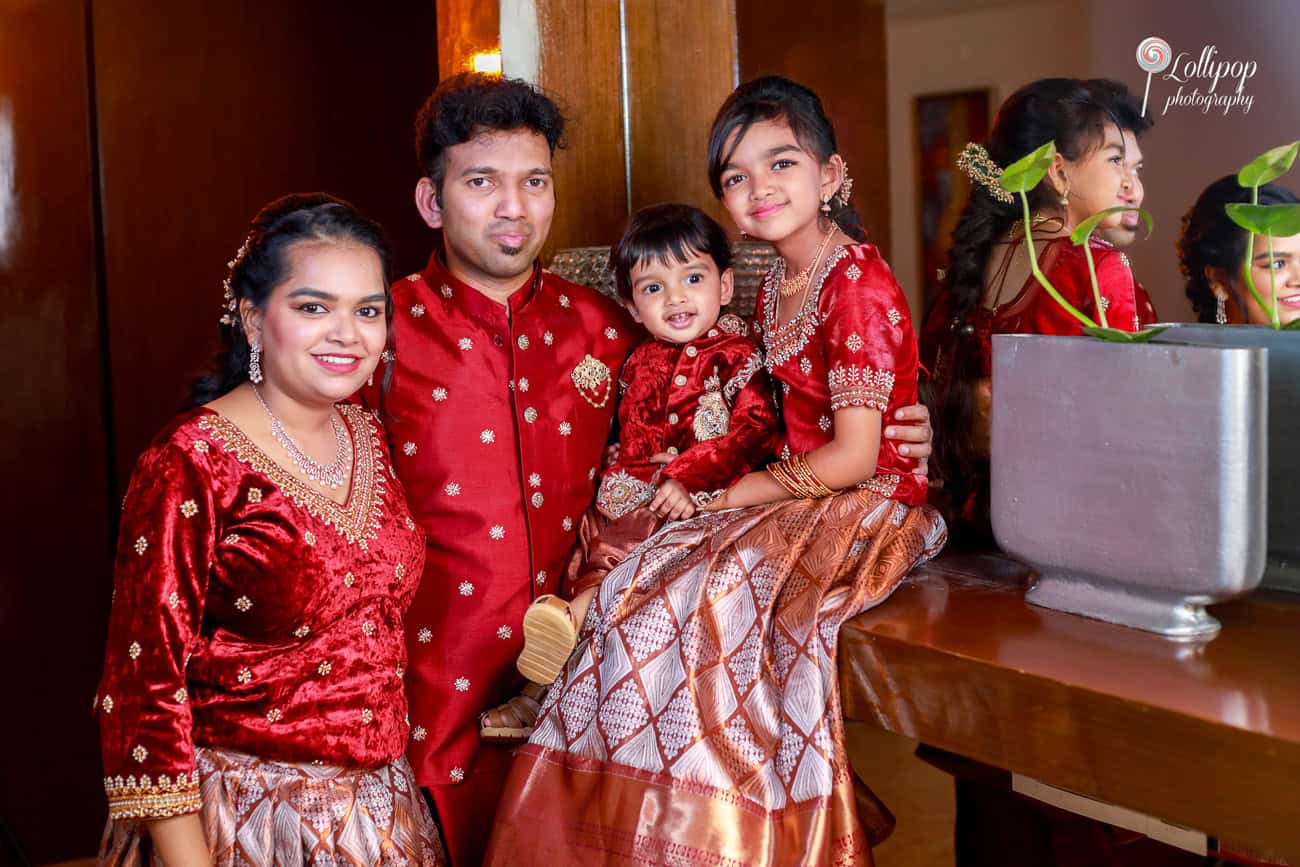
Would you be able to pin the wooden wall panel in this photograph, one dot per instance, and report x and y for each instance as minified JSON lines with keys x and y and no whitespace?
{"x":681,"y":66}
{"x":208,"y":111}
{"x":836,"y":47}
{"x":56,"y":513}
{"x":580,"y":68}
{"x":466,"y":27}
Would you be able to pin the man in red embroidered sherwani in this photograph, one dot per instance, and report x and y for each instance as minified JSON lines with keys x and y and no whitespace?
{"x":498,"y":396}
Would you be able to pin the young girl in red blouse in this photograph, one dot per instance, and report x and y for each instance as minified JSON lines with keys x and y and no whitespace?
{"x":701,"y":721}
{"x":251,"y":708}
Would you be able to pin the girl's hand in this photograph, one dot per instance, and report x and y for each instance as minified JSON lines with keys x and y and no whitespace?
{"x":915,"y":434}
{"x":672,"y":502}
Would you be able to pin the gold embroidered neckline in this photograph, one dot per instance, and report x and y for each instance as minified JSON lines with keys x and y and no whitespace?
{"x":785,"y":341}
{"x":357,"y":517}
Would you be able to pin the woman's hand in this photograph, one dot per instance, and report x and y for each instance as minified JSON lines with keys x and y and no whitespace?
{"x":179,"y":841}
{"x":914,"y":432}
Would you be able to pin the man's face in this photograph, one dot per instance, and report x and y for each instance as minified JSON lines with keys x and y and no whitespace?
{"x":496,"y":205}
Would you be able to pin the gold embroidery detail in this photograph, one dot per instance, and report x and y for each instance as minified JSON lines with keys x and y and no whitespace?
{"x":504,"y":632}
{"x":620,"y":493}
{"x":141,"y":545}
{"x":419,"y":733}
{"x":417,"y":310}
{"x":466,"y":588}
{"x":254,"y":495}
{"x":180,"y":695}
{"x":367,"y":628}
{"x":894,"y":316}
{"x":129,"y":799}
{"x":189,"y":509}
{"x":134,"y":650}
{"x":860,"y":386}
{"x":424,"y":636}
{"x":302,"y":631}
{"x":786,"y":342}
{"x":853,"y":272}
{"x":243,"y":603}
{"x":349,"y":579}
{"x":462,"y":684}
{"x":400,"y":570}
{"x":367,"y":715}
{"x":309,"y":537}
{"x":712,"y":418}
{"x":108,"y":704}
{"x":244,"y":676}
{"x":358,"y":520}
{"x":592,"y":375}
{"x":201,"y":446}
{"x":497,"y":532}
{"x":274,"y":715}
{"x":139,"y":753}
{"x":324,"y":668}
{"x":458,"y":775}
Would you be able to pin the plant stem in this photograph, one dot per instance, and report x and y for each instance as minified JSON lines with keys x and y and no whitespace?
{"x":1038,"y":273}
{"x":1274,"y":314}
{"x":1245,"y":267}
{"x":1096,"y":286}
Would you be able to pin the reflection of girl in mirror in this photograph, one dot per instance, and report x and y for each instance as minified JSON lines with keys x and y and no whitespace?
{"x":989,"y":287}
{"x":251,"y":707}
{"x":1211,"y":251}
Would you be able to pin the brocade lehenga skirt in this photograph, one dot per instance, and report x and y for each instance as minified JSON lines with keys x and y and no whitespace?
{"x":258,"y":812}
{"x":701,"y":721}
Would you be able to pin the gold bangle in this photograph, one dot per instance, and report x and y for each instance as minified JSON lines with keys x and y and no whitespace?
{"x":803,"y":472}
{"x":781,"y":474}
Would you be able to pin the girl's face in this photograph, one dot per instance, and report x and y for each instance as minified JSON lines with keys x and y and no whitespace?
{"x":1104,"y":177}
{"x":323,"y":328}
{"x":771,"y":186}
{"x":1285,"y":267}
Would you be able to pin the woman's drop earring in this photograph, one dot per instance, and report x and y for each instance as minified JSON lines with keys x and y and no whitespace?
{"x":255,"y":363}
{"x":1220,"y":311}
{"x":1064,"y":200}
{"x":826,"y":205}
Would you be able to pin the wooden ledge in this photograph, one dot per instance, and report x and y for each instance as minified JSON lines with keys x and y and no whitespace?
{"x":1205,"y":735}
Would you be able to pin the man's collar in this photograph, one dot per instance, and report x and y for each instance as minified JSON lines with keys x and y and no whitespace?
{"x":440,"y":279}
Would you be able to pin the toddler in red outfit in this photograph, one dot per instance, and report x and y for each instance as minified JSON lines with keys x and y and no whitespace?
{"x":696,"y":413}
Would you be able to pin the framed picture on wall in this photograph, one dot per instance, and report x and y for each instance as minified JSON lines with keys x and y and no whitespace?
{"x":942,"y":124}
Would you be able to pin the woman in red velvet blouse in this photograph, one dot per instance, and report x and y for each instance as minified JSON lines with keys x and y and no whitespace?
{"x":251,"y":707}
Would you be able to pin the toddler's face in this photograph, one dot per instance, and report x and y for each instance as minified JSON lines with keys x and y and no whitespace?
{"x":679,"y":301}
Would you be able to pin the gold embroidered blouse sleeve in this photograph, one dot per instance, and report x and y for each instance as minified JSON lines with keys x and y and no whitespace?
{"x":165,"y":546}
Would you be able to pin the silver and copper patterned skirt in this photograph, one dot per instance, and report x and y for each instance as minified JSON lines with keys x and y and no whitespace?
{"x":258,"y":812}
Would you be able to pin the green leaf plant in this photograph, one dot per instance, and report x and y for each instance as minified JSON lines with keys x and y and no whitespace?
{"x":1271,"y":221}
{"x":1023,"y":176}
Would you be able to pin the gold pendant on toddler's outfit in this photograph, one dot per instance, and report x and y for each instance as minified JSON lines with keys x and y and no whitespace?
{"x":711,"y":416}
{"x":593,"y":381}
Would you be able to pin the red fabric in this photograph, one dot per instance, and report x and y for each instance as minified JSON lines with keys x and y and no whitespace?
{"x":670,"y":402}
{"x":1034,"y":311}
{"x":466,"y":811}
{"x":851,"y":344}
{"x":251,"y":613}
{"x":498,"y":448}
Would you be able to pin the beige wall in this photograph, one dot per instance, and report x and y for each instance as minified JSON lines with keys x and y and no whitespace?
{"x":953,"y":49}
{"x":961,"y":51}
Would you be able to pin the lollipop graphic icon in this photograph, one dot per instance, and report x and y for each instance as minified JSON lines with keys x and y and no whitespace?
{"x":1152,"y":56}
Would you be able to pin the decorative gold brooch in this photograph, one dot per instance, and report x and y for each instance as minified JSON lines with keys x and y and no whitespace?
{"x":589,"y":376}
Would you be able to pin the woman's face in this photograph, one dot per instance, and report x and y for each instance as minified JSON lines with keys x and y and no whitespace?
{"x":1284,"y":265}
{"x":1104,"y":177}
{"x":771,"y":186}
{"x":323,"y":328}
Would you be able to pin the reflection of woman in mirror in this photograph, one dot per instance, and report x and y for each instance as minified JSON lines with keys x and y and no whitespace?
{"x":1212,"y":249}
{"x":989,"y":287}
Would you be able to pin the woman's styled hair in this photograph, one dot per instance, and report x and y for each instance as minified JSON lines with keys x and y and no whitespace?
{"x":263,"y":263}
{"x":472,"y":103}
{"x":773,"y":97}
{"x":1073,"y":113}
{"x":1211,"y":240}
{"x":670,"y":232}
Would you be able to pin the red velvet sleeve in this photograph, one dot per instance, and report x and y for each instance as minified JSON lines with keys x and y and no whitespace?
{"x":869,"y":340}
{"x":712,"y":466}
{"x":165,"y":546}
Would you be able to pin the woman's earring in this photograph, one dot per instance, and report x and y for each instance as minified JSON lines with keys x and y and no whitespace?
{"x":255,"y":363}
{"x":1064,"y":200}
{"x":1220,"y":311}
{"x":370,"y":380}
{"x":826,"y":205}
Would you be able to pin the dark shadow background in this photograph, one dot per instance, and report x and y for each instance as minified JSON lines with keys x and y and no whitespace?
{"x":142,"y":137}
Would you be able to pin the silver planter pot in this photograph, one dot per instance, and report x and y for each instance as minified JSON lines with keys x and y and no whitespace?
{"x":1282,"y":571}
{"x":1131,"y":477}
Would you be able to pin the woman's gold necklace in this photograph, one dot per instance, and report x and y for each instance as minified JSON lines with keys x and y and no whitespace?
{"x":794,"y":285}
